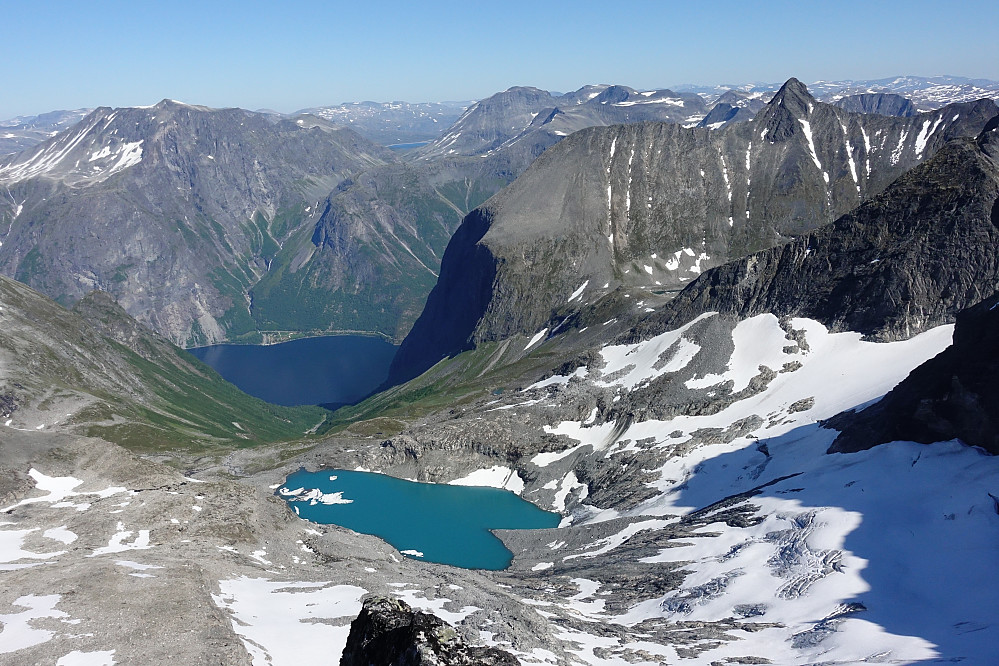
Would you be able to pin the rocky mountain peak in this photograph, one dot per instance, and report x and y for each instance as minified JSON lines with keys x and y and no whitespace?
{"x":174,"y":104}
{"x":791,"y":103}
{"x":389,"y":631}
{"x":544,"y":118}
{"x":614,"y":95}
{"x":794,"y":97}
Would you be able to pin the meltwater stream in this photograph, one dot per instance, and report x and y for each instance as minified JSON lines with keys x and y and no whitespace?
{"x":432,"y":522}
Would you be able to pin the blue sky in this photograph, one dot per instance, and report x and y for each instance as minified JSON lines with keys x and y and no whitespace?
{"x":292,"y":55}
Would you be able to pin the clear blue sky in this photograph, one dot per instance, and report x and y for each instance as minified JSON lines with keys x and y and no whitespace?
{"x":291,"y":55}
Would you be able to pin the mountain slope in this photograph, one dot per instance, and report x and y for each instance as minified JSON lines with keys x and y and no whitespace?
{"x":95,"y":370}
{"x":952,"y":396}
{"x":908,"y":259}
{"x":176,"y":210}
{"x":654,"y":205}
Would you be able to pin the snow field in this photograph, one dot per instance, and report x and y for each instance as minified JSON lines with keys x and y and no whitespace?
{"x":287,"y":623}
{"x":843,"y":541}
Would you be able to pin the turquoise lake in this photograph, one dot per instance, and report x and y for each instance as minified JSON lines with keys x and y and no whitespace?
{"x":426,"y":521}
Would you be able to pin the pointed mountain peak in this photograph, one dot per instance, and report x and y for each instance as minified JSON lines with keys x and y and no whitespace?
{"x":791,"y":103}
{"x":794,"y":97}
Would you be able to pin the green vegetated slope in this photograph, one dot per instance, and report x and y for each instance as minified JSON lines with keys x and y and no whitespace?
{"x":368,"y":263}
{"x":99,"y":372}
{"x":492,"y":367}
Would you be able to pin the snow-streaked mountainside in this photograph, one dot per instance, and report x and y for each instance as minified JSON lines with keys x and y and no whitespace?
{"x":655,"y":205}
{"x":176,"y":210}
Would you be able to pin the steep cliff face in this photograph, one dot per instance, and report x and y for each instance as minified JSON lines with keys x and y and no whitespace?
{"x":909,"y":259}
{"x":367,"y":263}
{"x":176,"y":210}
{"x":389,"y":632}
{"x":653,"y":205}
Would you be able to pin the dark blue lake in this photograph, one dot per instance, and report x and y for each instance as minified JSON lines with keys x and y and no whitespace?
{"x":330,"y":370}
{"x":426,"y":521}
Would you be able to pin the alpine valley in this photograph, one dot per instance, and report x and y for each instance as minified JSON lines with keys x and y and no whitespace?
{"x":742,"y":340}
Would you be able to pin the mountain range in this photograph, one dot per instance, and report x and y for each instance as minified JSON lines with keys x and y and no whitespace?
{"x":654,"y":205}
{"x":273,"y":252}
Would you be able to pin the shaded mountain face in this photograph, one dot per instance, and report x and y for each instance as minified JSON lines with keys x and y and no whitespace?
{"x":654,"y":205}
{"x":885,"y":104}
{"x":175,"y":210}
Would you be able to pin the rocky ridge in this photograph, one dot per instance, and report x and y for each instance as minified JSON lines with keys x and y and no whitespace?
{"x":951,"y":396}
{"x":908,"y":259}
{"x":95,"y":370}
{"x":654,"y":205}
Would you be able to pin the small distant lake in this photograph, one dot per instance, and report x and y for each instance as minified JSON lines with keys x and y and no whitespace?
{"x":407,"y":146}
{"x":332,"y":370}
{"x":426,"y":521}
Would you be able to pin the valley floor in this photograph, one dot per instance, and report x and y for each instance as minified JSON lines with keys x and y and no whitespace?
{"x":692,"y":535}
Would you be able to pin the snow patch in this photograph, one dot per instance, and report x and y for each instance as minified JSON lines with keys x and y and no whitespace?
{"x":286,"y":623}
{"x":496,"y":476}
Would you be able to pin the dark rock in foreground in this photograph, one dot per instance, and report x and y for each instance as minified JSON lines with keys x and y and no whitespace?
{"x":388,"y":631}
